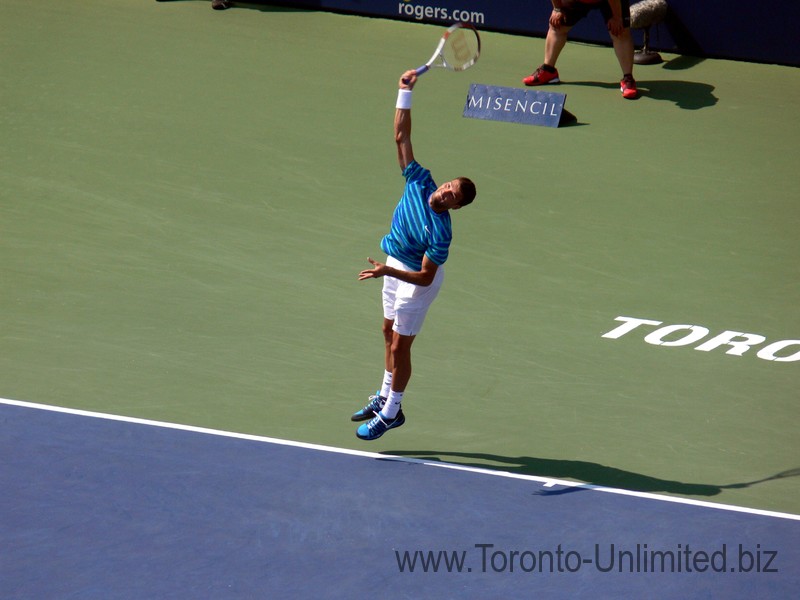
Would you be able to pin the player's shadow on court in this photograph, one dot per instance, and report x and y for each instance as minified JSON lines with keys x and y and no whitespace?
{"x":688,"y":95}
{"x":582,"y":471}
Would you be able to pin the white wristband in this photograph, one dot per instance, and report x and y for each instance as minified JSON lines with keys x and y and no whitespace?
{"x":403,"y":99}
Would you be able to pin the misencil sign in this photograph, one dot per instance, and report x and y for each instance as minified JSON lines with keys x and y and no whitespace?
{"x":515,"y":105}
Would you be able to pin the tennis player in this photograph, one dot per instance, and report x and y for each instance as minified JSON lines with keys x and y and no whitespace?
{"x":417,"y":246}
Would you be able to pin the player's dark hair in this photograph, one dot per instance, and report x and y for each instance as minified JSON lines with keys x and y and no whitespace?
{"x":468,"y":191}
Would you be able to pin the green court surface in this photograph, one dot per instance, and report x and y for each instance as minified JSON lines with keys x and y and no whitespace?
{"x":188,"y":195}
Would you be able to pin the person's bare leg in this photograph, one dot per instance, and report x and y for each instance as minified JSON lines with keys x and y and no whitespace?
{"x":554,"y":43}
{"x":388,"y":336}
{"x":623,"y":48}
{"x":401,"y":361}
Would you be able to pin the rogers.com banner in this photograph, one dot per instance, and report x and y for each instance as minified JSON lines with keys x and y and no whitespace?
{"x":507,"y":15}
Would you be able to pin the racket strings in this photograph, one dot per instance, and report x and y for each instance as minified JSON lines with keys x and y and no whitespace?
{"x":461,"y":49}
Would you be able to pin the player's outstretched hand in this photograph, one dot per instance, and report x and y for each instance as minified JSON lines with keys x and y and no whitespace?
{"x":378,"y":271}
{"x":408,"y":80}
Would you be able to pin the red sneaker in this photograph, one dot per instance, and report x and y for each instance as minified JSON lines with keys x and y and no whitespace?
{"x":540,"y":76}
{"x":628,"y":87}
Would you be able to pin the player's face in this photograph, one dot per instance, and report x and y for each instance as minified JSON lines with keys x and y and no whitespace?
{"x":446,"y":197}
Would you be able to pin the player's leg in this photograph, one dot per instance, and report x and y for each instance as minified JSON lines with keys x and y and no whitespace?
{"x":401,"y":373}
{"x":623,"y":48}
{"x":570,"y":14}
{"x":378,"y":399}
{"x":410,"y":309}
{"x":553,"y":45}
{"x":391,"y":414}
{"x":388,"y":338}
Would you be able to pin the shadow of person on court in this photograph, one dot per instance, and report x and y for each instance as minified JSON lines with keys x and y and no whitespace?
{"x":682,"y":63}
{"x":688,"y":95}
{"x":583,"y":471}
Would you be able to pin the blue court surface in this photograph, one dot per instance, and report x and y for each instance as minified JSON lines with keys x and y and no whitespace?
{"x":97,"y":506}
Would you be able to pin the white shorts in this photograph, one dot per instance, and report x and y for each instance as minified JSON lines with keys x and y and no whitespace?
{"x":405,"y":303}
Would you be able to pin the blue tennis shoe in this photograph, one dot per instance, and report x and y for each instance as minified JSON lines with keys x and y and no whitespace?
{"x":375,"y":405}
{"x":375,"y":428}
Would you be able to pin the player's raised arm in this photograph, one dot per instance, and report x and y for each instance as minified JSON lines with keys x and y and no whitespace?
{"x":402,"y":119}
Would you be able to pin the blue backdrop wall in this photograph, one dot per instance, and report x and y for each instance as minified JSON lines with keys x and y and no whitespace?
{"x":732,"y":29}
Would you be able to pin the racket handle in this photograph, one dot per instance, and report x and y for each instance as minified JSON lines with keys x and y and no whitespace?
{"x":419,"y":71}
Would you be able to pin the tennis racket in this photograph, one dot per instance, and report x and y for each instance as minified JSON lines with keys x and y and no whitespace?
{"x":458,"y":49}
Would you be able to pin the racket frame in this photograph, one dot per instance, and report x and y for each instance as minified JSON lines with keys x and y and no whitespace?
{"x":439,"y":55}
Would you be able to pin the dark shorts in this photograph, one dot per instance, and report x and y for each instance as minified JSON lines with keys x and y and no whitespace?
{"x":574,"y":11}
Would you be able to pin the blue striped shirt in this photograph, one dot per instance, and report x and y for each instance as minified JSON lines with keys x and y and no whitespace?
{"x":417,"y":230}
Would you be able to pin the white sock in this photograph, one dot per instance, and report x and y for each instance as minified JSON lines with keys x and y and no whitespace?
{"x":392,"y":406}
{"x":386,"y":387}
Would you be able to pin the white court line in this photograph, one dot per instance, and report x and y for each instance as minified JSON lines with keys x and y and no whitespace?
{"x":546,"y":481}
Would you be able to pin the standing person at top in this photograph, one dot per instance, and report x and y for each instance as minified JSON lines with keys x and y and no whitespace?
{"x":567,"y":13}
{"x":417,"y":246}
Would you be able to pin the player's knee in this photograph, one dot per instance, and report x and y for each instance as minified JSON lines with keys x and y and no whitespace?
{"x":401,"y":348}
